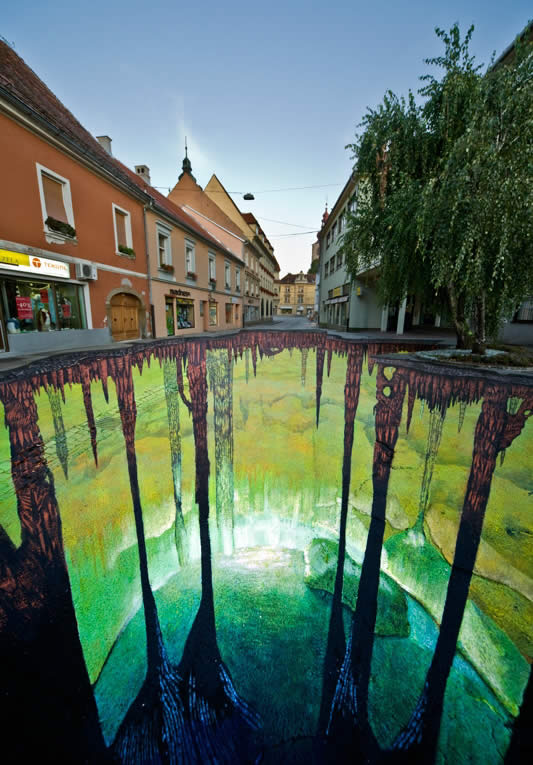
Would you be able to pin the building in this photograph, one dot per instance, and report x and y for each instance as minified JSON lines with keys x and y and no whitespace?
{"x":195,"y":277}
{"x":73,"y":268}
{"x":261,"y":265}
{"x":204,"y":208}
{"x":297,"y":294}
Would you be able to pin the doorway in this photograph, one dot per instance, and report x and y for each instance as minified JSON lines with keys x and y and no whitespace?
{"x":125,"y":317}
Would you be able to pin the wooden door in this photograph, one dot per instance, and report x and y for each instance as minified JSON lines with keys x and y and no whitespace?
{"x":125,"y":317}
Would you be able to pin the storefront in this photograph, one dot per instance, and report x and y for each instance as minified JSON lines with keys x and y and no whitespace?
{"x":179,"y":311}
{"x":39,"y":301}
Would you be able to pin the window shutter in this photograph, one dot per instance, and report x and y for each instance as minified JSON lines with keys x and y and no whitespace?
{"x":120,"y":221}
{"x":53,"y":197}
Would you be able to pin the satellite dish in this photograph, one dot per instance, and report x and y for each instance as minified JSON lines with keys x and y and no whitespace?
{"x":248,"y":196}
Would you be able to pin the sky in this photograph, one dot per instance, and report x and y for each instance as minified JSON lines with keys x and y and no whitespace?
{"x":267,"y":94}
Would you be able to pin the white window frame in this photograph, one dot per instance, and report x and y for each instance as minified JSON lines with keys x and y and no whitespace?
{"x":212,"y":275}
{"x":227,"y":272}
{"x":189,"y":244}
{"x":55,"y":236}
{"x":127,"y":224}
{"x":166,"y":231}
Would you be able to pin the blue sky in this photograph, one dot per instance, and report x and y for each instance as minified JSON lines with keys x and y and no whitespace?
{"x":268,"y":94}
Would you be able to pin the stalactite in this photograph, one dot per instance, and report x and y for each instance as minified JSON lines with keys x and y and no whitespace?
{"x":247,"y":364}
{"x":173,"y":417}
{"x":436,"y":424}
{"x":305,"y":353}
{"x":87,"y":401}
{"x":319,"y":376}
{"x":336,"y":644}
{"x":221,"y":383}
{"x":495,"y":430}
{"x":59,"y":428}
{"x":349,"y":728}
{"x":462,"y":412}
{"x":222,"y":722}
{"x":330,"y":356}
{"x":45,"y":684}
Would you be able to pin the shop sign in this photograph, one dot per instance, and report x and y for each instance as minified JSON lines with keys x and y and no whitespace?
{"x":181,"y":293}
{"x":24,"y":308}
{"x":337,"y":292}
{"x":20,"y":261}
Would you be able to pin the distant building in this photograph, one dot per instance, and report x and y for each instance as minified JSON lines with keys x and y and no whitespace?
{"x":297,"y":294}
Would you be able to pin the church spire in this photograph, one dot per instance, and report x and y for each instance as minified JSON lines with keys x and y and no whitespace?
{"x":186,"y":166}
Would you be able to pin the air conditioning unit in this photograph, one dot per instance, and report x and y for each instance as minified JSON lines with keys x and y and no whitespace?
{"x":86,"y":271}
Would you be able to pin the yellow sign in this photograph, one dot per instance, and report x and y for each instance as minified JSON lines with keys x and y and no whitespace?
{"x":14,"y":258}
{"x":19,"y":261}
{"x":337,"y":292}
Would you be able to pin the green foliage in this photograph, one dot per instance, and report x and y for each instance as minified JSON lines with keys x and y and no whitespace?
{"x":61,"y":227}
{"x":313,"y":268}
{"x":126,"y":250}
{"x":445,"y":189}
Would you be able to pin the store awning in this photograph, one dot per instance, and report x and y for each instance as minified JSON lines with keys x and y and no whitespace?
{"x":343,"y":299}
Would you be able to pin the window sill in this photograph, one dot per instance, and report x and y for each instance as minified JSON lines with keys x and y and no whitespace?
{"x":191,"y":276}
{"x":56,"y":237}
{"x":125,"y":255}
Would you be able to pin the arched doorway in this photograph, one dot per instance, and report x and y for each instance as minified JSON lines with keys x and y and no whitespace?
{"x":125,"y":316}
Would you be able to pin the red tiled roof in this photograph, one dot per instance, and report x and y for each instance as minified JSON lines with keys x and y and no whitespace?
{"x":24,"y":87}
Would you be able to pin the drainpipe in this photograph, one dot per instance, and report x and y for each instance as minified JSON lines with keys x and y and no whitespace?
{"x":149,"y":275}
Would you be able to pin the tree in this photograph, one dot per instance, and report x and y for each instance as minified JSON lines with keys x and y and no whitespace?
{"x":444,"y":198}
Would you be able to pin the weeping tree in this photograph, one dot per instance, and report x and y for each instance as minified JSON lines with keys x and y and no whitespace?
{"x":444,"y":198}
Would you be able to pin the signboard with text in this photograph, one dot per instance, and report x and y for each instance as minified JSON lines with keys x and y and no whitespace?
{"x":20,"y":261}
{"x":24,"y":307}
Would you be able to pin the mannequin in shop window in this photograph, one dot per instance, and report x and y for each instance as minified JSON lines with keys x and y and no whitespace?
{"x":43,"y":319}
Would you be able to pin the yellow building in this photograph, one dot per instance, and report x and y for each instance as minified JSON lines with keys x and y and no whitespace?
{"x":297,"y":294}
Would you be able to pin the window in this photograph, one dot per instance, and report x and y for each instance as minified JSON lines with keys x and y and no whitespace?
{"x":44,"y":306}
{"x":229,"y":313}
{"x":56,"y":205}
{"x":184,"y":313}
{"x":213,"y":314}
{"x":212,"y":268}
{"x":123,"y":241}
{"x":328,"y":238}
{"x":300,"y":299}
{"x":189,"y":260}
{"x":238,"y":279}
{"x":326,"y":268}
{"x":287,"y":298}
{"x":339,"y":260}
{"x":164,"y":251}
{"x":227,"y":276}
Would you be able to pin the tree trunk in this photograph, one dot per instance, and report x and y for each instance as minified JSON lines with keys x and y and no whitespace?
{"x":480,"y":341}
{"x":457,"y":308}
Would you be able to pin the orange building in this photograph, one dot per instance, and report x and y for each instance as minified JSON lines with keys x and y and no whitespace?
{"x":73,"y":265}
{"x":195,"y":277}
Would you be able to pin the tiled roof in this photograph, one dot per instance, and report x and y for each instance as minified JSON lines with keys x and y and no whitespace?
{"x":23,"y":88}
{"x":291,"y":278}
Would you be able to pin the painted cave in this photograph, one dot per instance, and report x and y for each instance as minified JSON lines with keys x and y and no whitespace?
{"x":261,"y":548}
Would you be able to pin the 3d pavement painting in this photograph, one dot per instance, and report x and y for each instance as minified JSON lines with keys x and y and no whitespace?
{"x":268,"y":547}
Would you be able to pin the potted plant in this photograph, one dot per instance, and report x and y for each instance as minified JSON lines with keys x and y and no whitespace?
{"x":167,"y":267}
{"x":129,"y":251}
{"x":191,"y":275}
{"x":61,"y":227}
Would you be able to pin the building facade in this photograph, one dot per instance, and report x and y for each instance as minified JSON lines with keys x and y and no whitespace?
{"x":297,"y":294}
{"x":73,"y":269}
{"x":195,"y":278}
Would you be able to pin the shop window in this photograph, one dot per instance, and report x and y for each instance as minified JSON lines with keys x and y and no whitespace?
{"x":236,"y":313}
{"x":123,"y":240}
{"x":213,"y":314}
{"x":164,"y":248}
{"x":36,"y":306}
{"x":169,"y":316}
{"x":184,"y":313}
{"x":228,"y":313}
{"x":56,"y":204}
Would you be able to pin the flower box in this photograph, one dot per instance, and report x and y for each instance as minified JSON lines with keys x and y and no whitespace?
{"x":60,"y":227}
{"x":129,"y":251}
{"x":167,"y":268}
{"x":191,"y":275}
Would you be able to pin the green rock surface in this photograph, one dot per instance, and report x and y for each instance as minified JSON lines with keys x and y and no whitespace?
{"x":321,"y":559}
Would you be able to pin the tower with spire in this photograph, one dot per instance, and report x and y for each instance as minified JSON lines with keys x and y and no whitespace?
{"x":186,"y":166}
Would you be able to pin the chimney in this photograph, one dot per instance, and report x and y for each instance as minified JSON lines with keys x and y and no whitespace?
{"x":105,"y":143}
{"x":144,"y":172}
